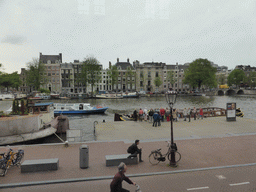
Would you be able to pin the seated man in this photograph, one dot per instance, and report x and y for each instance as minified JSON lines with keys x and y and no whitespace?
{"x":134,"y":150}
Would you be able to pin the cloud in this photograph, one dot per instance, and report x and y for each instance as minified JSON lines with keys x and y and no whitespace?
{"x":14,"y":39}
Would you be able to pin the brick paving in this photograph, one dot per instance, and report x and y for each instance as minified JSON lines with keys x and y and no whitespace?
{"x":202,"y":143}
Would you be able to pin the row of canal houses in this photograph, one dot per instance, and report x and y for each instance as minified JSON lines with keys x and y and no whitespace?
{"x":61,"y":77}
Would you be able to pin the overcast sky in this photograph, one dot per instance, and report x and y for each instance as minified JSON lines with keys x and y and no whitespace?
{"x":167,"y":31}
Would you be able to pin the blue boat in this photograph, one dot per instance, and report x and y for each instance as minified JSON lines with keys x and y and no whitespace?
{"x":77,"y":108}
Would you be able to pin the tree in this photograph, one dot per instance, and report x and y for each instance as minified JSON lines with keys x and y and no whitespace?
{"x":35,"y":73}
{"x":170,"y":78}
{"x":200,"y":72}
{"x":237,"y":76}
{"x":221,"y":79}
{"x":251,"y":79}
{"x":10,"y":80}
{"x":91,"y":71}
{"x":113,"y":74}
{"x":158,"y":82}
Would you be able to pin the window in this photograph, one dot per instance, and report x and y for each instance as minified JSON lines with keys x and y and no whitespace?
{"x":157,"y":74}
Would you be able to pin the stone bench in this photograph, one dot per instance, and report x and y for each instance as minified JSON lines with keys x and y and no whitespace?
{"x":39,"y":165}
{"x":115,"y":160}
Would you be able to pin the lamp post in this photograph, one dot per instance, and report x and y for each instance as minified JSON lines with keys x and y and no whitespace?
{"x":170,"y":97}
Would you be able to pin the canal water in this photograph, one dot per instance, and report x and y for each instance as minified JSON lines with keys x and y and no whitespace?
{"x":126,"y":106}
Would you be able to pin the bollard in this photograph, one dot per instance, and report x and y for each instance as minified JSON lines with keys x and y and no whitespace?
{"x":84,"y":156}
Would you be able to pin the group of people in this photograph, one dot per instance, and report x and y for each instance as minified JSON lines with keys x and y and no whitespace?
{"x":158,"y":115}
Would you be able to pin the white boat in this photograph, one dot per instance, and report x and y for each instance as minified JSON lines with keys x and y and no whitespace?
{"x":77,"y":108}
{"x":109,"y":96}
{"x":7,"y":97}
{"x":39,"y":123}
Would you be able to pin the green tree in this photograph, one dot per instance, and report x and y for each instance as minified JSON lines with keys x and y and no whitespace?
{"x":91,"y":71}
{"x":34,"y":73}
{"x":200,"y":72}
{"x":113,"y":74}
{"x":221,"y":79}
{"x":236,"y":77}
{"x":170,"y":78}
{"x":10,"y":80}
{"x":158,"y":82}
{"x":251,"y":79}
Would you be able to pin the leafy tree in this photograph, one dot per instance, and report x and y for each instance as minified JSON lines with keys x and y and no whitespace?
{"x":170,"y":78}
{"x":221,"y":79}
{"x":200,"y":72}
{"x":237,"y":76}
{"x":251,"y":79}
{"x":34,"y":73}
{"x":10,"y":80}
{"x":44,"y":90}
{"x":91,"y":71}
{"x":113,"y":74}
{"x":158,"y":82}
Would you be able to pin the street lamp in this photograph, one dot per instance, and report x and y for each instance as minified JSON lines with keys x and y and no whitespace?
{"x":170,"y":97}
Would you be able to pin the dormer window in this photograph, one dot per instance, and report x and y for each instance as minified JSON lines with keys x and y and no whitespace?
{"x":49,"y":62}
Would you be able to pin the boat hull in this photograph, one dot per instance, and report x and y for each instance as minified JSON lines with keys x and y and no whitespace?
{"x":93,"y":111}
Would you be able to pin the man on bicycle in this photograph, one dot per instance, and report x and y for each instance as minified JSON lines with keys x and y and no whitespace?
{"x":134,"y":150}
{"x":116,"y":184}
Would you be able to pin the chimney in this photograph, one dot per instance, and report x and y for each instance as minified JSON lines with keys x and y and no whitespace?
{"x":60,"y":54}
{"x":117,"y":60}
{"x":176,"y":63}
{"x":127,"y":60}
{"x":109,"y":65}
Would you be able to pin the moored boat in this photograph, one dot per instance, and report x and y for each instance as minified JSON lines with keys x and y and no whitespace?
{"x":39,"y":123}
{"x":109,"y":96}
{"x":131,"y":95}
{"x":77,"y":108}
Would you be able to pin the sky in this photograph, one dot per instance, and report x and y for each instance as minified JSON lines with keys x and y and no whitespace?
{"x":168,"y":31}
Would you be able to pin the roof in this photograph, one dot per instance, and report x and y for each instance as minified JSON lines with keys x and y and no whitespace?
{"x":43,"y":104}
{"x":124,"y":65}
{"x":52,"y":58}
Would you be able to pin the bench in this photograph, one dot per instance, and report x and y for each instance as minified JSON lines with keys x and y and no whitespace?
{"x":115,"y":160}
{"x":39,"y":165}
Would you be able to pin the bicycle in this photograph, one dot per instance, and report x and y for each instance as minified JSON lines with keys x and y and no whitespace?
{"x":138,"y":188}
{"x":10,"y":159}
{"x":156,"y":156}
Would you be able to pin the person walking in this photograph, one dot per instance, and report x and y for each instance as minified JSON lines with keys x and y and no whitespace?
{"x":194,"y":112}
{"x":116,"y":184}
{"x":185,"y":113}
{"x":159,"y":119}
{"x":134,"y":150}
{"x":167,"y":114}
{"x":174,"y":115}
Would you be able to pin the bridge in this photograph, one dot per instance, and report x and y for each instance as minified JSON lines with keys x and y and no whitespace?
{"x":235,"y":92}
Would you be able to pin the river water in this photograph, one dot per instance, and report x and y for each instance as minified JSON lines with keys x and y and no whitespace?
{"x":126,"y":106}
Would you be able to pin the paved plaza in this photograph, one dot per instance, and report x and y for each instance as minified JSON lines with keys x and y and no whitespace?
{"x":211,"y":142}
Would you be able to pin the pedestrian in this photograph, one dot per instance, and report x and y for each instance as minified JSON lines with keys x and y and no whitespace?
{"x":174,"y":115}
{"x":155,"y":117}
{"x":167,"y":114}
{"x":194,"y":112}
{"x":135,"y":115}
{"x":150,"y":114}
{"x":116,"y":184}
{"x":145,"y":114}
{"x":159,"y":119}
{"x":201,"y":113}
{"x":134,"y":150}
{"x":189,"y":114}
{"x":162,"y":113}
{"x":178,"y":114}
{"x":185,"y":113}
{"x":141,"y":114}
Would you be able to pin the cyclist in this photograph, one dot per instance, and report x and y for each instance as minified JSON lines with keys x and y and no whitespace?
{"x":116,"y":184}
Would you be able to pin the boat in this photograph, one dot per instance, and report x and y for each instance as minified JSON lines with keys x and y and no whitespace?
{"x":4,"y":97}
{"x":77,"y":108}
{"x":54,"y":96}
{"x":239,"y":113}
{"x":109,"y":96}
{"x":38,"y":123}
{"x":124,"y":117}
{"x":131,"y":95}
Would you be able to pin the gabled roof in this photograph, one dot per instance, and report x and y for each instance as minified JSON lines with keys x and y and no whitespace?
{"x":124,"y":65}
{"x":52,"y":58}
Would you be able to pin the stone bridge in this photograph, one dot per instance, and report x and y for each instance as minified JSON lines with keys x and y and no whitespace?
{"x":235,"y":92}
